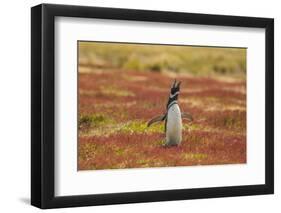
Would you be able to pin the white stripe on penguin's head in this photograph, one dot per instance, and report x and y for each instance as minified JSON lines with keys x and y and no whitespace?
{"x":171,"y":96}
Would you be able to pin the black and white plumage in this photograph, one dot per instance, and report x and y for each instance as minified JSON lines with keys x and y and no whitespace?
{"x":173,"y":117}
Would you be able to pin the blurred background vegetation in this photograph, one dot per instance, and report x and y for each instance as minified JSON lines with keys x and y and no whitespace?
{"x":197,"y":61}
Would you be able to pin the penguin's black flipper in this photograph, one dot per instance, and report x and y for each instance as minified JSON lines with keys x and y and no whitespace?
{"x":187,"y":116}
{"x":165,"y":127}
{"x":156,"y":119}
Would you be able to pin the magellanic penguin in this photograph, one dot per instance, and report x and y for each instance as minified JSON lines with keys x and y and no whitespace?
{"x":173,"y":117}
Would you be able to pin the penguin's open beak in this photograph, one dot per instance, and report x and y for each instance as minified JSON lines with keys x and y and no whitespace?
{"x":174,"y":84}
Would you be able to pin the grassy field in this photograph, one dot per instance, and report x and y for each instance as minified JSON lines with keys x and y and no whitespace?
{"x":117,"y":97}
{"x":197,"y":61}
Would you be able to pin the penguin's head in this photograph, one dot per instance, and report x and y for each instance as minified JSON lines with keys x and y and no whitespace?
{"x":175,"y":89}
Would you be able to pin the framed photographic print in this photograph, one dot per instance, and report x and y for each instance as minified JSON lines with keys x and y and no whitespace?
{"x":139,"y":106}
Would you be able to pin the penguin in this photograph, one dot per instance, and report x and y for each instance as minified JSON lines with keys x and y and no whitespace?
{"x":172,"y":118}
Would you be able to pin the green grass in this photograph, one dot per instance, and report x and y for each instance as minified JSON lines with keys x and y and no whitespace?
{"x":98,"y":124}
{"x":141,"y":127}
{"x":194,"y":156}
{"x":95,"y":120}
{"x":202,"y":61}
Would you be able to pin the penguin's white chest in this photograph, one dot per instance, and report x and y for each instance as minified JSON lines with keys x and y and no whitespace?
{"x":174,"y":126}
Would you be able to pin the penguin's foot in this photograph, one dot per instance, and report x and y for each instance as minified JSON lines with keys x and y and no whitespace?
{"x":169,"y":145}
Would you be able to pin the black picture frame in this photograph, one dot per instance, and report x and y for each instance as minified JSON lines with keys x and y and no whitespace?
{"x":43,"y":102}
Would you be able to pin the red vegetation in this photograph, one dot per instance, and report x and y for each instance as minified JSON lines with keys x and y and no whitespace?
{"x":216,"y":136}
